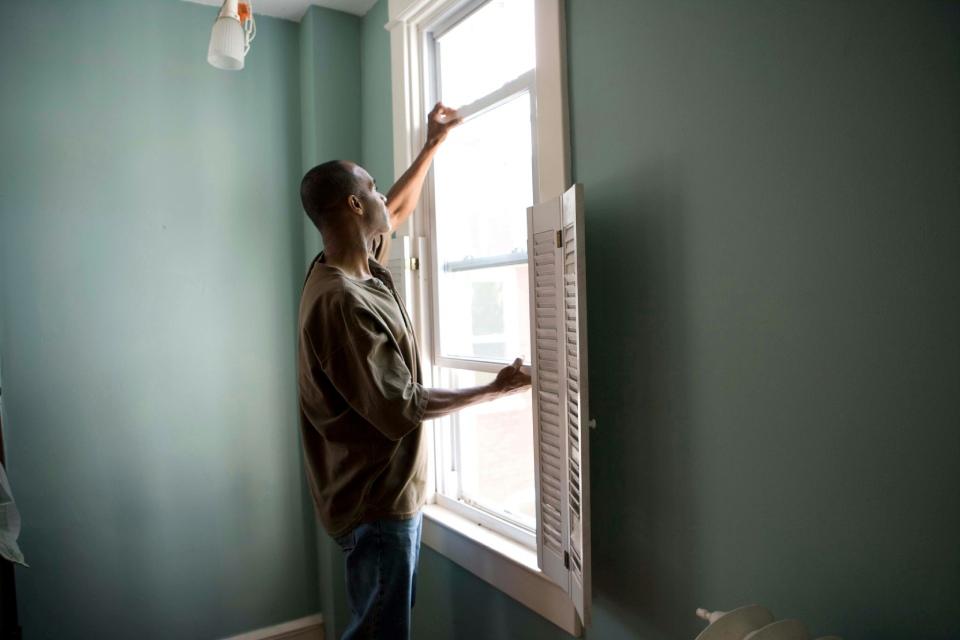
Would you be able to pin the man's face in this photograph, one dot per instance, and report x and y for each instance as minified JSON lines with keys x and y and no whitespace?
{"x":374,"y":204}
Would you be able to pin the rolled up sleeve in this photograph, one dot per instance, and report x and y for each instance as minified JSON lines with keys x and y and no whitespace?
{"x":370,"y":373}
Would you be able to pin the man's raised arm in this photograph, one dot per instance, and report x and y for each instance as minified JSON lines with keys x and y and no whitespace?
{"x":403,"y":196}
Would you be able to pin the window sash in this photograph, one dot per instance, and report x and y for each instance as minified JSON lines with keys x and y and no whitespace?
{"x":526,"y":82}
{"x":507,"y":91}
{"x":477,"y":365}
{"x":470,"y":264}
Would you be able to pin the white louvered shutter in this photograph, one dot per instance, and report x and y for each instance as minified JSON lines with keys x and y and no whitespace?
{"x":558,"y":318}
{"x":544,"y":266}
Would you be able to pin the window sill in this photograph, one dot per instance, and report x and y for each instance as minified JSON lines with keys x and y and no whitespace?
{"x":503,"y":563}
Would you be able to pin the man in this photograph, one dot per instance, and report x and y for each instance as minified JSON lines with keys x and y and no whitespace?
{"x":362,"y":401}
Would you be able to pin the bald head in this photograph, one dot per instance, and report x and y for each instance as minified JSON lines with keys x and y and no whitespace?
{"x":325,"y":189}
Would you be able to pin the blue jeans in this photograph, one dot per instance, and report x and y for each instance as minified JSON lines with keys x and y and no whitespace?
{"x":381,"y":560}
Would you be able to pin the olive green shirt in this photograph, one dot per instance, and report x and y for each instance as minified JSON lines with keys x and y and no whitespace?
{"x":361,"y":399}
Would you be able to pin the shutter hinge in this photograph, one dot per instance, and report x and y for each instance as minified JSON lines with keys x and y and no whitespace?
{"x":559,"y":238}
{"x":415,"y":264}
{"x":566,"y":559}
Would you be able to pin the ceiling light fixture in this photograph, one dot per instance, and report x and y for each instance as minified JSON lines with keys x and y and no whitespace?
{"x":231,"y":36}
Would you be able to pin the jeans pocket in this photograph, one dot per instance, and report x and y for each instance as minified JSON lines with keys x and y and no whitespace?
{"x":346,"y":541}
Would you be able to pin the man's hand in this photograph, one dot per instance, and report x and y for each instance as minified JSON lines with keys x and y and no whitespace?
{"x":443,"y":402}
{"x":511,"y":379}
{"x":439,"y":123}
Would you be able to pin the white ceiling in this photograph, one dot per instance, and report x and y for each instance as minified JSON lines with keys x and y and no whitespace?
{"x":294,"y":9}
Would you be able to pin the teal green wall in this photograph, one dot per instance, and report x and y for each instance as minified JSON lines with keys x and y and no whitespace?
{"x":772,"y":197}
{"x":330,"y":100}
{"x":376,"y":130}
{"x":151,"y":261}
{"x":345,"y":102}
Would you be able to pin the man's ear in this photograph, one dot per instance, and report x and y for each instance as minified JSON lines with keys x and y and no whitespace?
{"x":354,"y":203}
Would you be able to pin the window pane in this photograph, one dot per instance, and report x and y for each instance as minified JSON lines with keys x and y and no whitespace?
{"x":488,"y":49}
{"x":484,"y":184}
{"x":484,"y":314}
{"x":496,"y":452}
{"x":487,"y":308}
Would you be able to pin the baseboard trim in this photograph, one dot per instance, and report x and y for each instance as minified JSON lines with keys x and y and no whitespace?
{"x":309,"y":628}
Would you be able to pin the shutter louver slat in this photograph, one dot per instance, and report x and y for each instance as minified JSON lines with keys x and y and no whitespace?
{"x":550,"y":398}
{"x":551,"y":422}
{"x":551,"y":453}
{"x":547,"y":351}
{"x":552,"y":387}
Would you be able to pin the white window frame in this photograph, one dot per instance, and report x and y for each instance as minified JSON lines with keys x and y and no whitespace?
{"x":491,"y":551}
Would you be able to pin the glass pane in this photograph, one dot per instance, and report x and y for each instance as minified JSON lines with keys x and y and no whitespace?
{"x":496,"y":452}
{"x":491,"y":47}
{"x":484,"y":314}
{"x":484,"y":184}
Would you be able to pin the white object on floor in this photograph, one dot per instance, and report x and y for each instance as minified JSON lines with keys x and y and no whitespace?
{"x":752,"y":622}
{"x":736,"y":624}
{"x":781,"y":630}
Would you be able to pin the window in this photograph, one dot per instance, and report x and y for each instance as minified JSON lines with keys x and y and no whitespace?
{"x":502,"y":275}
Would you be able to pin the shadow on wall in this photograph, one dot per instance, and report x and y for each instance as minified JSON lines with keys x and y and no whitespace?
{"x":642,"y":490}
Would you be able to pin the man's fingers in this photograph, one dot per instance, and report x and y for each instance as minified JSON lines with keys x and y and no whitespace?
{"x":439,"y":112}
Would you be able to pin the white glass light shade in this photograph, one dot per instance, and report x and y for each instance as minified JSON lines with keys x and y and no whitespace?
{"x":227,"y":44}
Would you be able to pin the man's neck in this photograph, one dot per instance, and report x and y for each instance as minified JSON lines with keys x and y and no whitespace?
{"x":349,"y":257}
